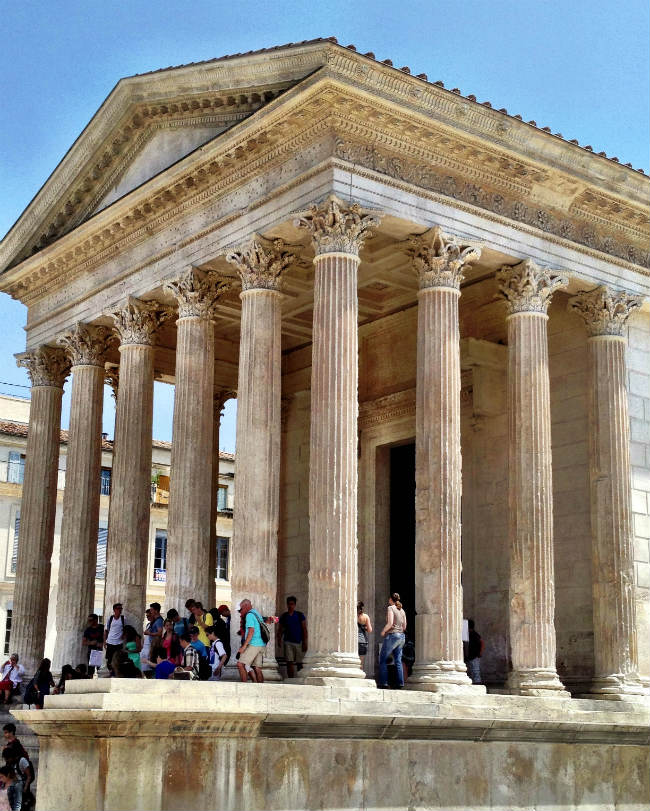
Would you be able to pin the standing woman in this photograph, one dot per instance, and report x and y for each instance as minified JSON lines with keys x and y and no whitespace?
{"x":364,"y":627}
{"x":393,"y":633}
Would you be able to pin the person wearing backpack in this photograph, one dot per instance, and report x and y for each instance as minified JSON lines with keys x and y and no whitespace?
{"x":205,"y":671}
{"x":252,"y":649}
{"x":114,"y":635}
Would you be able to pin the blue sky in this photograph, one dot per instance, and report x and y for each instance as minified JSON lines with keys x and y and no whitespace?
{"x":578,"y":67}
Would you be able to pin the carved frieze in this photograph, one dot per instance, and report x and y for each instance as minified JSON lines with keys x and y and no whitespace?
{"x":46,"y":366}
{"x":338,"y":227}
{"x":261,"y":262}
{"x":197,"y":293}
{"x":604,"y":311}
{"x":527,"y":287}
{"x":87,"y":344}
{"x":138,"y":321}
{"x":439,"y":260}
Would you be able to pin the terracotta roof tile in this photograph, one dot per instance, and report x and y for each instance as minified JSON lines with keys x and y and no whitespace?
{"x":19,"y":429}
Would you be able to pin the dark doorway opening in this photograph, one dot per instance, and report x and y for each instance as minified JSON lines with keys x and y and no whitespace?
{"x":402,"y":530}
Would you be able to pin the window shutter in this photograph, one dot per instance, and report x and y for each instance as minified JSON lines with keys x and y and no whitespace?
{"x":14,"y":554}
{"x":102,"y":538}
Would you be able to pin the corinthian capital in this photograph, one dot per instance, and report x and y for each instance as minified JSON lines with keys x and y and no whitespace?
{"x":86,"y":345}
{"x":527,"y":288}
{"x":197,"y":292}
{"x":260,"y":263}
{"x":138,"y":321}
{"x":605,"y":311}
{"x":46,"y":366}
{"x":439,"y":260}
{"x":337,"y":227}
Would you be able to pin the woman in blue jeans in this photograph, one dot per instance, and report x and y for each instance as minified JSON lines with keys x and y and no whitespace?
{"x":393,"y":633}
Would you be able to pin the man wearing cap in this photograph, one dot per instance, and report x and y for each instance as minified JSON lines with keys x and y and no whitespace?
{"x":114,"y":634}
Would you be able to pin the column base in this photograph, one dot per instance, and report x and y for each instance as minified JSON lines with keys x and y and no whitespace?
{"x":536,"y":681}
{"x":334,"y":670}
{"x":619,"y":687}
{"x":443,"y":677}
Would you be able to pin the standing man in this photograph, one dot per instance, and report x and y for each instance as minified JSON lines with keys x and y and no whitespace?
{"x":155,"y":629}
{"x":93,"y":639}
{"x":293,"y":632}
{"x":114,"y":635}
{"x":146,"y":666}
{"x":218,"y":655}
{"x":474,"y":650}
{"x":252,"y":649}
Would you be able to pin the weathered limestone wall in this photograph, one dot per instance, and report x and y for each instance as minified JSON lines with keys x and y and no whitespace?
{"x":568,"y":371}
{"x":638,"y":364}
{"x":139,"y":745}
{"x":293,"y":541}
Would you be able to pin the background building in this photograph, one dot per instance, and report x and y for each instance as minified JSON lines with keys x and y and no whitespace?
{"x":14,"y":417}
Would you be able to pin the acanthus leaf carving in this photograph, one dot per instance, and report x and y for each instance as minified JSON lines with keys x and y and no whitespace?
{"x":87,"y":344}
{"x":527,"y":287}
{"x":439,"y":260}
{"x":197,"y":292}
{"x":337,"y":227}
{"x":138,"y":321}
{"x":112,"y":377}
{"x":46,"y":366}
{"x":604,"y":311}
{"x":261,"y":262}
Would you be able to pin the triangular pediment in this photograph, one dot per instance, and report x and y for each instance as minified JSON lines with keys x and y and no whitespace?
{"x":148,"y":123}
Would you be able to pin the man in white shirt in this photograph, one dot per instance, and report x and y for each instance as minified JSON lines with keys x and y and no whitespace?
{"x":218,"y":655}
{"x":11,"y":679}
{"x":114,"y":635}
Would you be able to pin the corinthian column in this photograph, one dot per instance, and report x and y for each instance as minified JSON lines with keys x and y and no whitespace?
{"x":47,"y":369}
{"x":338,"y":231}
{"x":260,"y":265}
{"x":439,"y":262}
{"x":136,"y":324}
{"x":190,"y":486}
{"x":219,"y":401}
{"x":527,"y":290}
{"x":86,"y":346}
{"x":615,"y":646}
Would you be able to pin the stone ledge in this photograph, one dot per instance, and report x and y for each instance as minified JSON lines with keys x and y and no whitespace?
{"x":140,"y":708}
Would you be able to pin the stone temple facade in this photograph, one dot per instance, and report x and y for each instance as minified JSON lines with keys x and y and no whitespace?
{"x":435,"y":318}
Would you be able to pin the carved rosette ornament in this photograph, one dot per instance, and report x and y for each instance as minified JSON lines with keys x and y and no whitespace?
{"x":46,"y":366}
{"x":527,"y":287}
{"x":138,"y":321}
{"x":86,"y":344}
{"x":604,"y":311}
{"x":336,"y":227}
{"x":439,"y":260}
{"x":197,"y":293}
{"x":261,"y":262}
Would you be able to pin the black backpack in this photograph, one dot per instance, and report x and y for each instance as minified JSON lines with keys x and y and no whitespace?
{"x":205,"y":669}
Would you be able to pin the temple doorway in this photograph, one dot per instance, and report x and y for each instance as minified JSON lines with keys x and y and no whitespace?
{"x":402,"y":530}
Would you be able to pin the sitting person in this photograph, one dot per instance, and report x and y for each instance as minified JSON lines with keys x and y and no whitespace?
{"x":68,"y":673}
{"x":43,"y":682}
{"x":164,"y":667}
{"x":123,"y":667}
{"x":133,"y":645}
{"x":11,"y":678}
{"x":191,"y":659}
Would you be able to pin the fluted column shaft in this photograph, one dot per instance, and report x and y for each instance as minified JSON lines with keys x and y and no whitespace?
{"x":439,"y":596}
{"x":605,"y":313}
{"x":333,"y":468}
{"x":532,"y":571}
{"x":38,"y":506}
{"x":255,"y":544}
{"x":439,"y":262}
{"x":78,"y":555}
{"x":338,"y":231}
{"x":190,"y":486}
{"x":129,"y":508}
{"x":218,"y":402}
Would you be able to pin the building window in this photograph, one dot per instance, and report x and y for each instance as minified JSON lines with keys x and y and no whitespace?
{"x":14,"y":553}
{"x":160,"y":556}
{"x":102,"y":539}
{"x":105,"y":487}
{"x":222,"y":498}
{"x":222,"y":558}
{"x":16,"y":467}
{"x":8,"y":631}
